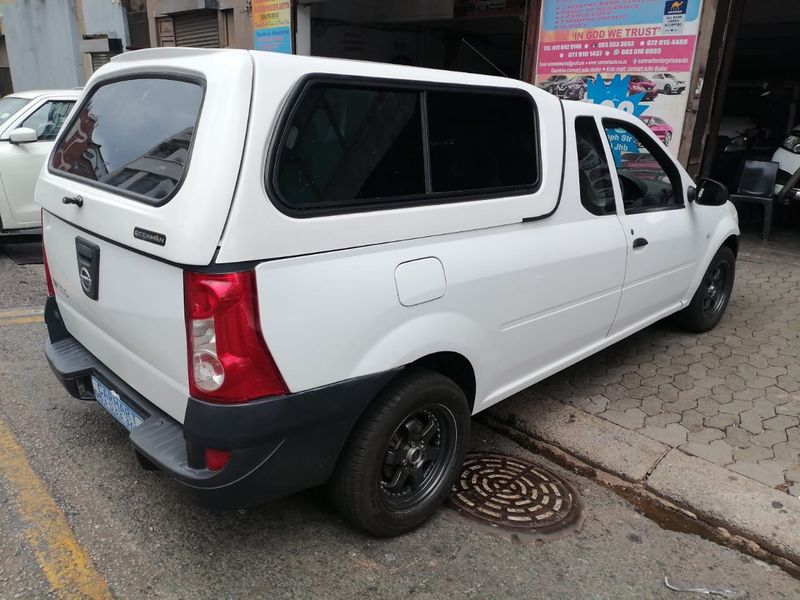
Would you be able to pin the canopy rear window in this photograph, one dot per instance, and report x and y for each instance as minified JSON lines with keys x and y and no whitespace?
{"x":134,"y":136}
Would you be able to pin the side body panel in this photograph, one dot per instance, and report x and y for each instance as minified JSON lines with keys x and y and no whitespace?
{"x":521,"y":300}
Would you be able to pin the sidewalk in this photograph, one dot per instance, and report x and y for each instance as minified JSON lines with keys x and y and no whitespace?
{"x":709,"y":422}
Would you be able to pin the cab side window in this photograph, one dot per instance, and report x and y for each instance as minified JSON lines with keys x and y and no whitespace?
{"x":648,"y":178}
{"x":48,"y":119}
{"x":597,"y":192}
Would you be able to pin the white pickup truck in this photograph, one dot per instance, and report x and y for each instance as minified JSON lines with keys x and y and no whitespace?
{"x":278,"y":272}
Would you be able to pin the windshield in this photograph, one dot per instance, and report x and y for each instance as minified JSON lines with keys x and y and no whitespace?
{"x":9,"y":106}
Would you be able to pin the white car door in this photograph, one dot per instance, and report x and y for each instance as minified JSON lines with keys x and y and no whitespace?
{"x":20,"y":163}
{"x":661,"y":230}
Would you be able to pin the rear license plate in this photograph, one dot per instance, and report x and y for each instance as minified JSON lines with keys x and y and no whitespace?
{"x":110,"y":400}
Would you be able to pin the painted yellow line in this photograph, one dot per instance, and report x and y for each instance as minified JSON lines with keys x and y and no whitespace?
{"x":63,"y":560}
{"x":21,"y":312}
{"x":22,"y":320}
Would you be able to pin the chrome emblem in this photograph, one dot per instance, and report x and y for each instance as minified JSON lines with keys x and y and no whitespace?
{"x":86,"y":280}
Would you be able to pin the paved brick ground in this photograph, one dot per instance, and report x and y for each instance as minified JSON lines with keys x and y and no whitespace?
{"x":731,"y":396}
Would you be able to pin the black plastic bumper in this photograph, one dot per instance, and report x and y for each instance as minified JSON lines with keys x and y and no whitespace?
{"x":279,"y":445}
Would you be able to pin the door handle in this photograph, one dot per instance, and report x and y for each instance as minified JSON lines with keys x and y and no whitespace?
{"x":639,"y":243}
{"x":76,"y":200}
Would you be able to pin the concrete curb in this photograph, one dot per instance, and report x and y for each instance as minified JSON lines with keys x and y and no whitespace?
{"x":714,"y":494}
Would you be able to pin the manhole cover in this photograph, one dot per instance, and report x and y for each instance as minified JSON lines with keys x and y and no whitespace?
{"x":514,"y":494}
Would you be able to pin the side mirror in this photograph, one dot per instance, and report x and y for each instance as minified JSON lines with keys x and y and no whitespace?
{"x":709,"y":193}
{"x":23,"y":135}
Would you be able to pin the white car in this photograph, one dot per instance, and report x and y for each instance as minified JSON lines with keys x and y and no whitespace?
{"x":788,"y":159}
{"x":667,"y":83}
{"x":29,"y":123}
{"x":280,"y":271}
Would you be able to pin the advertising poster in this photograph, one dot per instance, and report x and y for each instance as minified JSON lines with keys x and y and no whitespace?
{"x":272,"y":26}
{"x":635,"y":55}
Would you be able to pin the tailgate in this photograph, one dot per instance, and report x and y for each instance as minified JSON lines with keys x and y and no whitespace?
{"x":136,"y":326}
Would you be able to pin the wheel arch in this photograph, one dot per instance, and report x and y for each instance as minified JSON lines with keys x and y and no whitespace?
{"x":454,"y":366}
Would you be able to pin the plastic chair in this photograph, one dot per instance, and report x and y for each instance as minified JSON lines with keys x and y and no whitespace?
{"x":757,"y":186}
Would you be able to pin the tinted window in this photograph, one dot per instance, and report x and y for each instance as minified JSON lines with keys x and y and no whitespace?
{"x":48,"y":119}
{"x":9,"y":106}
{"x":347,"y":145}
{"x":481,"y":141}
{"x":597,"y":192}
{"x":648,"y":178}
{"x":133,"y":135}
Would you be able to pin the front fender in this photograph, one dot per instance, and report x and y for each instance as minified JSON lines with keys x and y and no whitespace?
{"x":720,"y":223}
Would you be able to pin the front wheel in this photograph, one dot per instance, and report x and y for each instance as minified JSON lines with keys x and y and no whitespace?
{"x":404,"y":454}
{"x":711,"y":298}
{"x":668,"y":89}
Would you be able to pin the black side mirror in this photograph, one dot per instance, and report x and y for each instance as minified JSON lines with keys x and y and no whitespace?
{"x":709,"y":192}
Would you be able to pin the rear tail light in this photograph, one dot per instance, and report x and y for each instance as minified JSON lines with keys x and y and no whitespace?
{"x":49,"y":280}
{"x":229,"y":360}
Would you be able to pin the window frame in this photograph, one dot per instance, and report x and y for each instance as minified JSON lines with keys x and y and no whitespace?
{"x":194,"y":79}
{"x":600,"y":135}
{"x":654,"y":147}
{"x":428,"y":198}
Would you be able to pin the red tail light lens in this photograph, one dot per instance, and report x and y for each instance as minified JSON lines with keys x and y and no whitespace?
{"x":49,"y":280}
{"x":216,"y":459}
{"x":228,"y":358}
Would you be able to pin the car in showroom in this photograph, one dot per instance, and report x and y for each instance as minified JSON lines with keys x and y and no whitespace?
{"x":667,"y":83}
{"x":550,"y":84}
{"x":788,"y":158}
{"x":575,"y":88}
{"x":278,"y":272}
{"x":29,"y":123}
{"x":639,"y":84}
{"x":659,"y":126}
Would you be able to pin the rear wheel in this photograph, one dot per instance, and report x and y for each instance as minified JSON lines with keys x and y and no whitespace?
{"x":711,"y":298}
{"x":668,"y":89}
{"x":404,"y":454}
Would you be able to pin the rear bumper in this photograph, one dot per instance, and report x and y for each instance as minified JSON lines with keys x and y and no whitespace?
{"x":279,"y":445}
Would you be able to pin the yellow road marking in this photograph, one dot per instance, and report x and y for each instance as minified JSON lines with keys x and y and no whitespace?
{"x":21,"y":312}
{"x":63,"y":560}
{"x":20,"y":316}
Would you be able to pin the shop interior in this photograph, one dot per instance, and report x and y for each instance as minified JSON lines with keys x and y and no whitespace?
{"x":757,"y":116}
{"x":461,"y":35}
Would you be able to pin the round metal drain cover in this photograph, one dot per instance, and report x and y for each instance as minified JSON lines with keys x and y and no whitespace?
{"x":514,"y":494}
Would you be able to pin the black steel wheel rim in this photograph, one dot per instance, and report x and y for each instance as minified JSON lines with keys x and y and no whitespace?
{"x":418,"y":457}
{"x":715,"y":289}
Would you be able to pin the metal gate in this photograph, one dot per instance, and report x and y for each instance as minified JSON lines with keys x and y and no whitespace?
{"x":198,"y":29}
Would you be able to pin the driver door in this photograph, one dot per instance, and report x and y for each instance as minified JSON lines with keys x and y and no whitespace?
{"x":659,"y":225}
{"x":20,"y":163}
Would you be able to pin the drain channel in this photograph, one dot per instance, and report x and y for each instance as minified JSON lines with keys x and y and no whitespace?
{"x":514,"y":494}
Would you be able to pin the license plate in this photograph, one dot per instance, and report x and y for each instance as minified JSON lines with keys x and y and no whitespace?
{"x":110,"y":400}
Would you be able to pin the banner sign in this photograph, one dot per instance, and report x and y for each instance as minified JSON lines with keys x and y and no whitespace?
{"x":272,"y":26}
{"x":645,"y":48}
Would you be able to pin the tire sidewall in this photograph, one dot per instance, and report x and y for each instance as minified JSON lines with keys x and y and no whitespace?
{"x":705,"y":322}
{"x":417,"y":390}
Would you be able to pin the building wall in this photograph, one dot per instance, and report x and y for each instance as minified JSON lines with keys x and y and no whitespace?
{"x":105,"y":17}
{"x":42,"y":41}
{"x":240,"y":37}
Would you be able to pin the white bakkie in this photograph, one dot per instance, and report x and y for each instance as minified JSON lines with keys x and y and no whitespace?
{"x":278,"y":272}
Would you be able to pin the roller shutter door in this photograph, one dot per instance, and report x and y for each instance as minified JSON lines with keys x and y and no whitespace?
{"x":197,"y":29}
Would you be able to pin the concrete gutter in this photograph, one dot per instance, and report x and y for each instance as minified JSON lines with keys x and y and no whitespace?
{"x":712,"y":494}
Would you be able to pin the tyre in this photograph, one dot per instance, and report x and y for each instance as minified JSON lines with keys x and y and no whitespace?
{"x":711,"y":298}
{"x":668,"y":138}
{"x":668,"y":89}
{"x":404,"y":454}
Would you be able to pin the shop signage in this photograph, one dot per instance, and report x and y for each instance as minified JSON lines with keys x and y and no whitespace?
{"x":272,"y":25}
{"x":636,"y":55}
